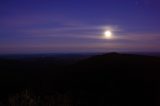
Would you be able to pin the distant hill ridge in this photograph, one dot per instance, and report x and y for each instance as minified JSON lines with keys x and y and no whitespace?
{"x":117,"y":57}
{"x":126,"y":65}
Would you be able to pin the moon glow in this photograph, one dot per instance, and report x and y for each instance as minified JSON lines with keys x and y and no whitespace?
{"x":108,"y":34}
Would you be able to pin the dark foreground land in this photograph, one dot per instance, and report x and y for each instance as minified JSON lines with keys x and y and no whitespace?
{"x":102,"y":80}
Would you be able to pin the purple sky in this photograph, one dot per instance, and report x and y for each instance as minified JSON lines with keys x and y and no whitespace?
{"x":49,"y":26}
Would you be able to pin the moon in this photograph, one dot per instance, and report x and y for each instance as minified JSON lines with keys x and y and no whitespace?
{"x":108,"y":34}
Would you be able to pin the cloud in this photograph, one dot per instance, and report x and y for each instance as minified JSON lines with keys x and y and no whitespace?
{"x":34,"y":20}
{"x":95,"y":33}
{"x":139,"y":37}
{"x":83,"y":31}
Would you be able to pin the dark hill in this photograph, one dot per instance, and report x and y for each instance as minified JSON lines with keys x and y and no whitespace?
{"x":138,"y":65}
{"x":123,"y":79}
{"x":115,"y":58}
{"x":103,"y":80}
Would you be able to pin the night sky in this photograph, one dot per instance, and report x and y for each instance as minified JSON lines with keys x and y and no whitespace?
{"x":62,"y":26}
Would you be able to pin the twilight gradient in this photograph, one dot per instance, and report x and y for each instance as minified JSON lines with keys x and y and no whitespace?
{"x":48,"y":26}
